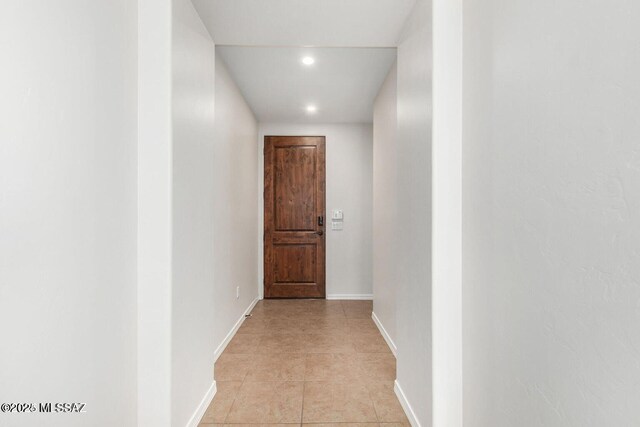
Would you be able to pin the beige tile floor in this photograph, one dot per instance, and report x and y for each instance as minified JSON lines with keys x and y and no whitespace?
{"x":307,"y":362}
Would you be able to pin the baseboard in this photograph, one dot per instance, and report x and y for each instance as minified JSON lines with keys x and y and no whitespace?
{"x":233,"y":330}
{"x":202,"y":408}
{"x":385,"y":335}
{"x":350,"y":296}
{"x":405,"y":405}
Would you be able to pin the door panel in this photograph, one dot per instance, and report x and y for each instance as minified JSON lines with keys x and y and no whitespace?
{"x":294,"y":188}
{"x":294,"y":263}
{"x":294,"y":200}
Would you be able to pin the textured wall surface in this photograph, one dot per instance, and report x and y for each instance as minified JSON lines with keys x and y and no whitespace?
{"x":551,"y":248}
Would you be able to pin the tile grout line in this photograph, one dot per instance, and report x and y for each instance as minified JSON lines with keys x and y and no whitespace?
{"x":239,"y":389}
{"x":235,"y":397}
{"x":374,"y":405}
{"x":304,"y":387}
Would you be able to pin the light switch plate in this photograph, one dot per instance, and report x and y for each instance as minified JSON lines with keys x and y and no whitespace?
{"x":337,"y":214}
{"x":336,"y":225}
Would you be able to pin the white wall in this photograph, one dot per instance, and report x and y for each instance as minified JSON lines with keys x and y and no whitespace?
{"x":385,"y":146}
{"x":413,"y":295}
{"x":235,"y":194}
{"x":551,"y":213}
{"x":349,"y":163}
{"x":154,"y":214}
{"x":68,"y":209}
{"x":198,"y":214}
{"x":447,"y":213}
{"x":194,"y":203}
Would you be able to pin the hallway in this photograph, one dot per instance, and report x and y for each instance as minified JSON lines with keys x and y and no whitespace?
{"x":453,"y":187}
{"x":306,"y":361}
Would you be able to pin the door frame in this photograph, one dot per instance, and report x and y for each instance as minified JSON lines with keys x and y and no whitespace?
{"x":261,"y":207}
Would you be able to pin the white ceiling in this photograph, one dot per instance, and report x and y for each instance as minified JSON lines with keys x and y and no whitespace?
{"x":325,"y":23}
{"x":342,"y":83}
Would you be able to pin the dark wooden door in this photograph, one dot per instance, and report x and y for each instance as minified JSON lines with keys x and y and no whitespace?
{"x":294,"y":217}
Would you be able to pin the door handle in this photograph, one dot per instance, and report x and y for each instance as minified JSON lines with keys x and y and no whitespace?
{"x":319,"y":233}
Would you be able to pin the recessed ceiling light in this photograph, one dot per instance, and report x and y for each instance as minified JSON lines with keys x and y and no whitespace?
{"x":311,"y":108}
{"x":307,"y":60}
